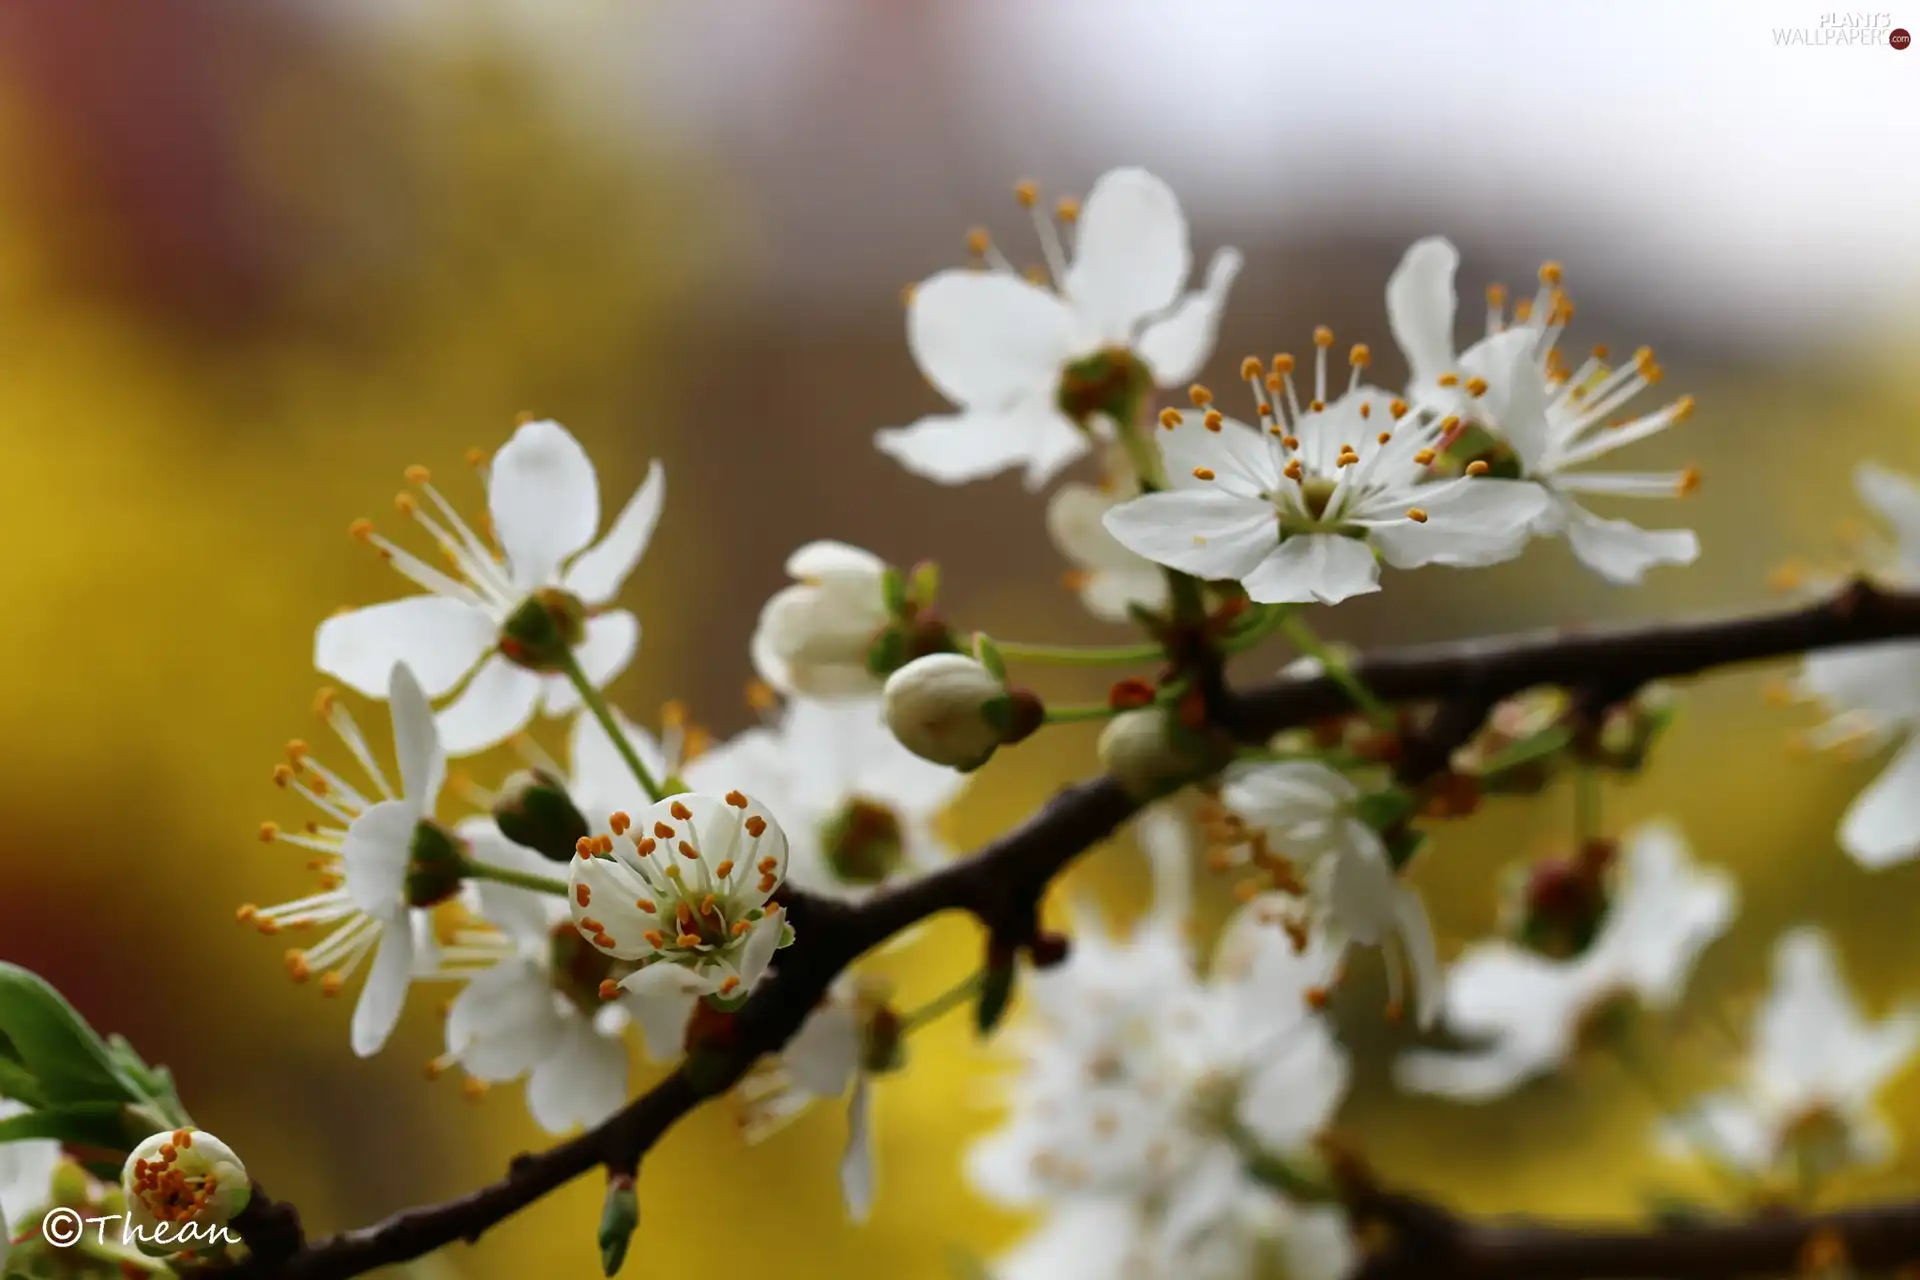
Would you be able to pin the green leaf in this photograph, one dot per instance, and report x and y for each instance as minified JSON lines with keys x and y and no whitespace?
{"x":987,"y":653}
{"x":17,"y":1083}
{"x":86,"y":1124}
{"x":619,"y":1218}
{"x":56,"y":1046}
{"x":996,"y":993}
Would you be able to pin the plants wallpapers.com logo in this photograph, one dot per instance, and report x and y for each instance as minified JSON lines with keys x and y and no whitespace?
{"x":1851,"y":29}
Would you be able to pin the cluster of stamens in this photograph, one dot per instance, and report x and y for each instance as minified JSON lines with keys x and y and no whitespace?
{"x":1053,"y":228}
{"x":339,"y":803}
{"x":700,"y":906}
{"x":168,"y":1192}
{"x":478,"y":572}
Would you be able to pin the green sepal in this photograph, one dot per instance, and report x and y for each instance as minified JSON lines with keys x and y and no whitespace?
{"x":619,"y":1219}
{"x":1386,"y":808}
{"x":887,"y":654}
{"x":996,"y":994}
{"x":1403,"y":846}
{"x":987,"y":654}
{"x":893,"y":590}
{"x":923,"y":588}
{"x":85,"y":1124}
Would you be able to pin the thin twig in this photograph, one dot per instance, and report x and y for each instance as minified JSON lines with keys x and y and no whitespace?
{"x":1002,"y":883}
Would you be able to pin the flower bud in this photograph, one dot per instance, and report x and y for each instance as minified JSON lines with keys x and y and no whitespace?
{"x":949,"y":709}
{"x":182,"y":1190}
{"x":863,"y":842}
{"x":535,"y":811}
{"x":1562,"y":901}
{"x":1146,"y":753}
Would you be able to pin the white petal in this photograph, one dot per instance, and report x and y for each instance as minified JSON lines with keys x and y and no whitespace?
{"x":1130,"y":254}
{"x":1319,"y":1245}
{"x":1204,"y":532}
{"x":1882,"y":826}
{"x":377,"y":850}
{"x":545,"y":501}
{"x":385,"y":992}
{"x":1896,"y":498}
{"x":856,"y":1163}
{"x":597,"y":575}
{"x":582,"y":1083}
{"x":1295,"y":1090}
{"x":1423,"y":959}
{"x":955,"y":449}
{"x":440,"y":639}
{"x":1471,"y":522}
{"x":1315,"y":566}
{"x":1515,"y":402}
{"x":1725,"y":1128}
{"x":495,"y":705}
{"x":988,"y":339}
{"x":612,"y":892}
{"x":1112,"y":594}
{"x":1074,"y":522}
{"x":824,"y":1057}
{"x":824,"y":558}
{"x":1420,"y":307}
{"x":423,"y":766}
{"x":1176,"y":347}
{"x":1621,"y":552}
{"x":1666,"y":913}
{"x":609,"y":646}
{"x":661,"y":998}
{"x":1881,"y":678}
{"x":503,"y":1022}
{"x":1468,"y":1075}
{"x":1243,"y":459}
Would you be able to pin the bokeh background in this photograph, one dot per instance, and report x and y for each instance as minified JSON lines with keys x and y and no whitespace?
{"x":256,"y":258}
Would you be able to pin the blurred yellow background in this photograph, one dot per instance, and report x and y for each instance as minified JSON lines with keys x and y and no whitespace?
{"x":255,"y":260}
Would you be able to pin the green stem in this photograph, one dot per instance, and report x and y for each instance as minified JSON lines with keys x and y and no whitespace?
{"x":604,"y":714}
{"x":944,"y":1003}
{"x":1078,"y":656}
{"x":1266,"y":620}
{"x":518,"y":879}
{"x":1308,"y":642}
{"x":1080,"y":713}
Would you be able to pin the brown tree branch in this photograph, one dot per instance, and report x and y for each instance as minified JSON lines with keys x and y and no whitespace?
{"x":1002,"y":882}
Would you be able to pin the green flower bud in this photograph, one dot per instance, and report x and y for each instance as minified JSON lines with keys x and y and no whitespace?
{"x":534,"y":810}
{"x":541,"y":633}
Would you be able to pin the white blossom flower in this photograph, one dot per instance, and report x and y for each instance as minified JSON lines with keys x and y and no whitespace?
{"x":1808,"y":1092}
{"x":1874,"y":689}
{"x":1142,"y":1085}
{"x":537,"y":999}
{"x":1303,"y":507}
{"x":858,"y":808}
{"x":999,"y":346}
{"x":381,"y":862}
{"x":182,"y":1189}
{"x":26,"y":1175}
{"x":813,"y":637}
{"x":1298,"y":824}
{"x":684,"y":890}
{"x":1528,"y":1014}
{"x":1109,"y":578}
{"x":847,"y":1041}
{"x":544,"y":503}
{"x":1516,"y":384}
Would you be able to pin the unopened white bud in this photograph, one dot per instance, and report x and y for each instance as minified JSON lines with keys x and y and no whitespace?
{"x":1143,"y":751}
{"x":183,"y":1187}
{"x":814,"y":637}
{"x":951,"y":710}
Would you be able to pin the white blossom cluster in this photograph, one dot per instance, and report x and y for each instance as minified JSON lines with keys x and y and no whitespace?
{"x":1165,"y":1115}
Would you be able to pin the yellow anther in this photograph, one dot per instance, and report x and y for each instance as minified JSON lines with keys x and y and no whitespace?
{"x":1322,"y":336}
{"x":269,"y":832}
{"x":1199,"y":395}
{"x":1476,"y":386}
{"x":1361,"y":356}
{"x":1250,"y":367}
{"x":1202,"y":473}
{"x":1550,"y":273}
{"x":1477,"y":468}
{"x":417,"y":474}
{"x":1689,"y":481}
{"x":1170,"y":418}
{"x":1027,"y":192}
{"x":1496,"y":295}
{"x":361,"y":529}
{"x":1214,"y":421}
{"x":978,"y":242}
{"x":1067,"y":209}
{"x":1417,"y":515}
{"x":1683,"y":408}
{"x":1283,"y":364}
{"x":1449,"y":379}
